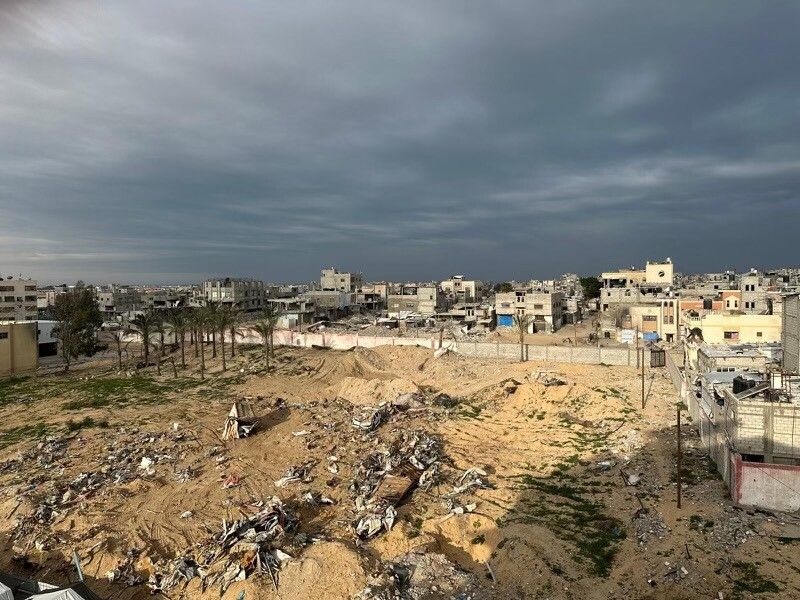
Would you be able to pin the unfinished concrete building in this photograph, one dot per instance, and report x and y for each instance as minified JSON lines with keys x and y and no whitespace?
{"x":545,"y":308}
{"x":412,"y":299}
{"x":249,"y":295}
{"x":459,"y":289}
{"x":750,"y":425}
{"x":754,"y":293}
{"x":332,"y":280}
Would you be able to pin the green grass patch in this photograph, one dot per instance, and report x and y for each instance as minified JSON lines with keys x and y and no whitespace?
{"x":568,"y":509}
{"x":86,"y":423}
{"x":749,"y":580}
{"x":19,"y":434}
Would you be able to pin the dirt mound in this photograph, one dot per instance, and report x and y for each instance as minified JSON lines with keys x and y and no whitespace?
{"x":326,"y":570}
{"x":372,"y":391}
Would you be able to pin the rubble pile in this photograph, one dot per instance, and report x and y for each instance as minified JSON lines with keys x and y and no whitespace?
{"x":384,"y":478}
{"x":418,"y":576}
{"x":131,"y":457}
{"x":248,"y":546}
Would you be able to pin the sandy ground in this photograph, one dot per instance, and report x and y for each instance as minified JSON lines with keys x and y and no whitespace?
{"x":559,"y":519}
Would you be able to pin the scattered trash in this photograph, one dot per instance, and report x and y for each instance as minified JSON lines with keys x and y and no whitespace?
{"x":295,"y":474}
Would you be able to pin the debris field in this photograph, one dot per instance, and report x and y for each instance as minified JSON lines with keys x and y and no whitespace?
{"x":373,"y":474}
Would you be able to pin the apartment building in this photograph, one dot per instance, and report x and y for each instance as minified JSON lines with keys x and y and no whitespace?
{"x":459,"y":289}
{"x":633,"y":286}
{"x":117,"y":300}
{"x":18,"y":300}
{"x":332,"y":280}
{"x":754,"y":293}
{"x":408,"y":299}
{"x":545,"y":307}
{"x":245,"y":294}
{"x":722,"y":327}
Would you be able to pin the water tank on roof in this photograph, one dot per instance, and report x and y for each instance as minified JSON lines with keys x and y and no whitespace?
{"x":740,"y":384}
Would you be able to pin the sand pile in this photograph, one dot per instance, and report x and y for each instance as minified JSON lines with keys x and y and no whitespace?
{"x":372,"y":391}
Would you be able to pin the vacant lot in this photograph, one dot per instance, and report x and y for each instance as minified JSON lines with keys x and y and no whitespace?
{"x":546,"y":481}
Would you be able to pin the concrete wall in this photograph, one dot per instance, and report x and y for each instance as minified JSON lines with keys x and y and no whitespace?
{"x":766,"y":486}
{"x":19,"y":348}
{"x":347,"y":341}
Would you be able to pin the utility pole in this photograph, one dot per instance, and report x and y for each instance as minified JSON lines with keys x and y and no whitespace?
{"x":642,"y":378}
{"x":637,"y":346}
{"x":680,"y":454}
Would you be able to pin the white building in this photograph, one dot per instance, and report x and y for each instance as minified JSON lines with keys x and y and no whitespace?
{"x":18,"y":299}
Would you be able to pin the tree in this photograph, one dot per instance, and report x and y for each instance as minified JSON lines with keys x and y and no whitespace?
{"x":521,"y":322}
{"x":503,"y":288}
{"x":224,"y":320}
{"x":199,"y":320}
{"x":234,"y":328}
{"x":265,"y":327}
{"x":78,"y":319}
{"x":210,"y":311}
{"x":144,"y":325}
{"x":177,"y":323}
{"x":270,"y":315}
{"x":117,"y":337}
{"x":591,"y":287}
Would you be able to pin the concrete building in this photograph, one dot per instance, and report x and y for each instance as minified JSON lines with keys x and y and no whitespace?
{"x":545,"y":308}
{"x":754,"y":293}
{"x":333,"y":280}
{"x":750,"y":426}
{"x":790,"y":333}
{"x":459,"y":289}
{"x":296,"y":311}
{"x":245,"y":294}
{"x":18,"y":348}
{"x":18,"y":300}
{"x":118,"y":300}
{"x":736,"y":358}
{"x":408,"y":299}
{"x":635,"y":286}
{"x":329,"y":304}
{"x":733,"y":327}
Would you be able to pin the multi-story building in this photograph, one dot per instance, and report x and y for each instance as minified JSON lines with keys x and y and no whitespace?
{"x":459,"y":289}
{"x":245,"y":294}
{"x":295,"y":311}
{"x":633,"y":286}
{"x":332,"y":280}
{"x":790,"y":333}
{"x":117,"y":300}
{"x":409,"y":299}
{"x":18,"y":300}
{"x":723,"y":327}
{"x":545,"y":307}
{"x":754,"y":293}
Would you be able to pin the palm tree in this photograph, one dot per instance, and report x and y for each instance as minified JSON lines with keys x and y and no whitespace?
{"x":161,"y":329}
{"x":199,"y":321}
{"x":211,"y":316}
{"x":263,"y":328}
{"x":224,"y":320}
{"x":176,"y":322}
{"x":144,"y":325}
{"x":117,"y":337}
{"x":233,"y":328}
{"x":521,"y":322}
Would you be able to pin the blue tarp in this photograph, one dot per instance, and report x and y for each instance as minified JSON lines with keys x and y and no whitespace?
{"x":505,"y":320}
{"x":650,"y":336}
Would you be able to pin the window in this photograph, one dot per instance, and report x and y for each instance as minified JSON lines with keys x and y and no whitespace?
{"x":538,"y":306}
{"x":759,"y":334}
{"x":731,"y":335}
{"x":3,"y":335}
{"x":649,"y":318}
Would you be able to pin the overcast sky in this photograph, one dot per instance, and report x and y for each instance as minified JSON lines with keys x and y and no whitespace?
{"x":153,"y":141}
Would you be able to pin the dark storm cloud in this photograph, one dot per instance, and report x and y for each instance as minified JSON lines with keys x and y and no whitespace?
{"x":168,"y":141}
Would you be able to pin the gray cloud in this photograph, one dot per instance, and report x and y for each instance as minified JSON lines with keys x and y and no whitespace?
{"x":154,"y":141}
